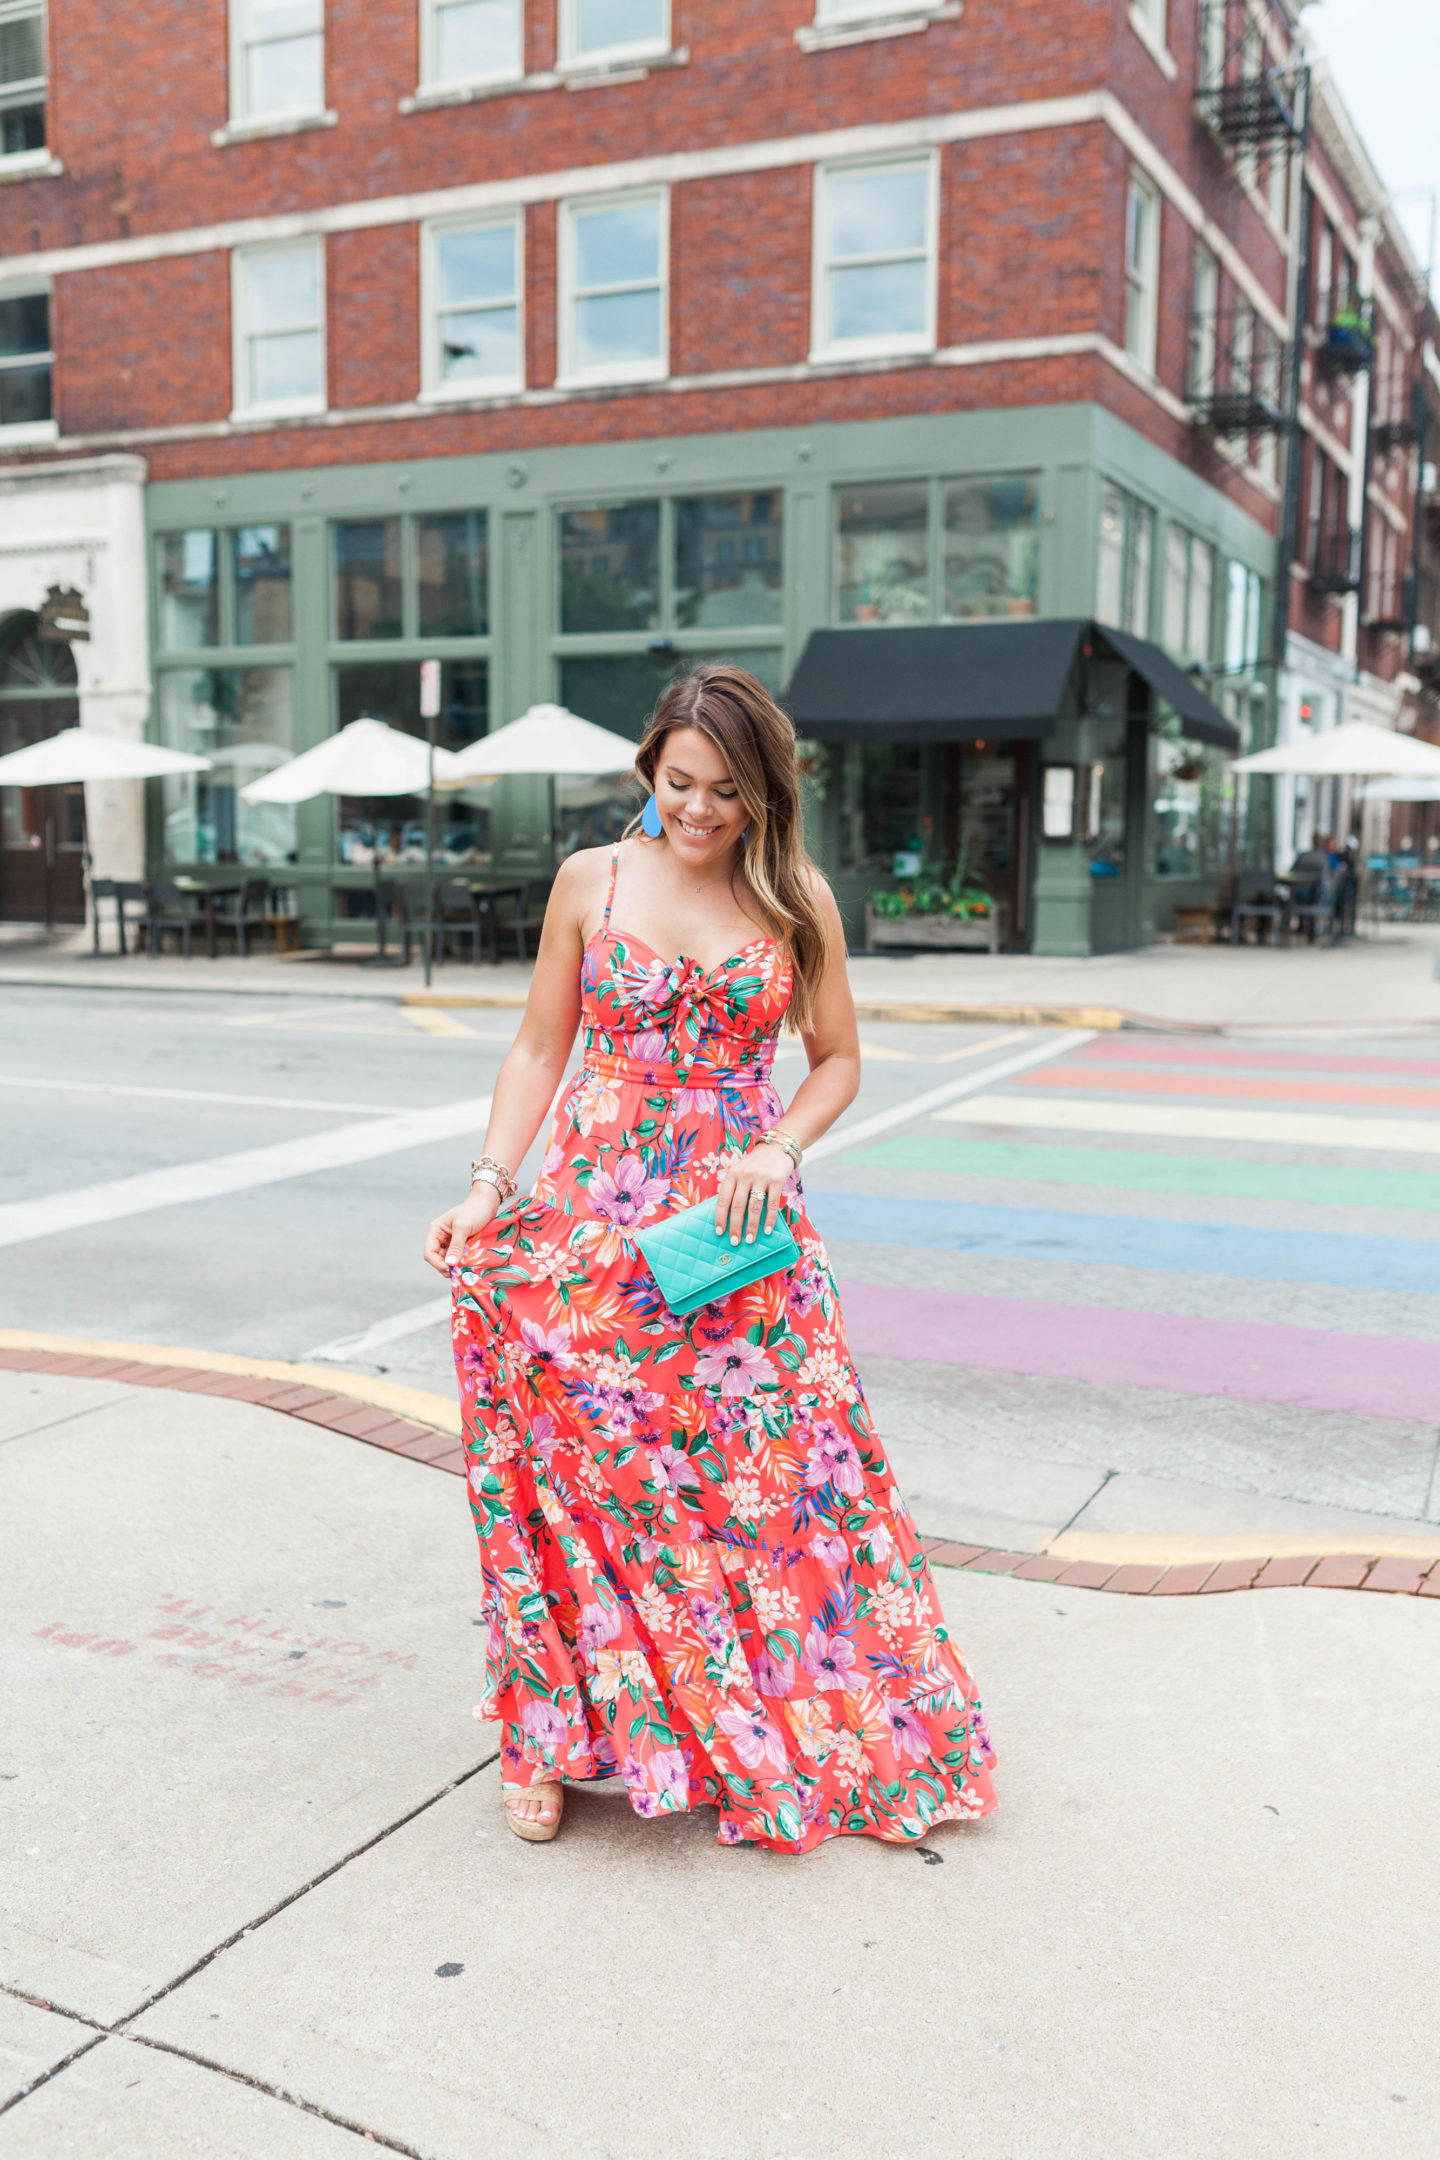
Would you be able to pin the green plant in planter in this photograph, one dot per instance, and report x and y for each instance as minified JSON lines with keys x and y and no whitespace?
{"x":960,"y":897}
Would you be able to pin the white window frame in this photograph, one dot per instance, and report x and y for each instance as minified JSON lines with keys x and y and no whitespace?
{"x":1142,"y":270}
{"x":432,"y":79}
{"x":432,"y":378}
{"x":243,"y":406}
{"x":627,"y":55}
{"x":830,"y":14}
{"x":241,"y":116}
{"x":571,"y":374}
{"x":31,"y":431}
{"x":1149,"y":19}
{"x":20,"y":92}
{"x":823,"y":346}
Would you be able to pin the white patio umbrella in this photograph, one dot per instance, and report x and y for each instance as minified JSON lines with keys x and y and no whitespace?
{"x":366,"y":758}
{"x":82,"y":754}
{"x":1400,"y":791}
{"x":547,"y":739}
{"x":1355,"y":750}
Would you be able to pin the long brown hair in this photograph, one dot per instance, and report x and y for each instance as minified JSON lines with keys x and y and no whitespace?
{"x":757,"y":741}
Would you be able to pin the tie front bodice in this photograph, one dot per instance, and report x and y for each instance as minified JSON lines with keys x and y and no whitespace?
{"x":673,"y":1024}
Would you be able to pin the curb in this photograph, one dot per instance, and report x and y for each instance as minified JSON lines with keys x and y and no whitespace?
{"x":361,"y":1414}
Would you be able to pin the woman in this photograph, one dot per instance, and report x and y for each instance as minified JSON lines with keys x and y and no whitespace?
{"x":698,"y":1571}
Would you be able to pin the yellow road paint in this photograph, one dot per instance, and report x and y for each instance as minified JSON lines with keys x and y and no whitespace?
{"x":405,"y":1402}
{"x":1154,"y":1548}
{"x":428,"y":1022}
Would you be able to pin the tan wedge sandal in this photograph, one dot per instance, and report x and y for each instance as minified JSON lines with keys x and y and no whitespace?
{"x":533,"y":1831}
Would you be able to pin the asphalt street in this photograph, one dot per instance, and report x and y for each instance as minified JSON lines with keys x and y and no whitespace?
{"x":1175,"y":1257}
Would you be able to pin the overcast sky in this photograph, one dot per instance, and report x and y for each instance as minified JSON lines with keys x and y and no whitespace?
{"x":1385,"y":57}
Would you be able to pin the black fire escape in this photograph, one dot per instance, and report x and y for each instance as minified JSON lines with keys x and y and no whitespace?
{"x":1240,"y":373}
{"x":1244,"y":95}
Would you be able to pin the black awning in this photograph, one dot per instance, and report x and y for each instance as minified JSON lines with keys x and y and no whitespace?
{"x":963,"y":682}
{"x":952,"y":682}
{"x":1201,"y":720}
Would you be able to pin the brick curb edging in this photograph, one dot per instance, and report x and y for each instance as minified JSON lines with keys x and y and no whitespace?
{"x":1398,"y":1575}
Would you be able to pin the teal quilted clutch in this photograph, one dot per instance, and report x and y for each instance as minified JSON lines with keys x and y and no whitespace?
{"x":693,"y":1266}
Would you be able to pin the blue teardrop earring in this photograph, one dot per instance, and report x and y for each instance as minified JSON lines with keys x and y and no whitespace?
{"x":650,"y":819}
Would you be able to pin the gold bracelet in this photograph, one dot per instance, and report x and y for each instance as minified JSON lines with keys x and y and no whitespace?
{"x":783,"y":1139}
{"x":487,"y":1171}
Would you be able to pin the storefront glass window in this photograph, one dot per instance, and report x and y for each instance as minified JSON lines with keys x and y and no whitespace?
{"x":451,"y":566}
{"x":880,"y":828}
{"x":368,"y":591}
{"x":727,"y":561}
{"x":992,"y":547}
{"x":1243,"y":610}
{"x":883,"y":554}
{"x":1105,"y":808}
{"x":189,"y":591}
{"x":1189,"y":805}
{"x":1125,"y":561}
{"x":392,"y":827}
{"x":616,"y":690}
{"x":610,"y":568}
{"x":242,"y":719}
{"x":260,"y":562}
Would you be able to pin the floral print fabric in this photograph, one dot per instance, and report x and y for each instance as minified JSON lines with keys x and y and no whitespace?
{"x":698,"y":1572}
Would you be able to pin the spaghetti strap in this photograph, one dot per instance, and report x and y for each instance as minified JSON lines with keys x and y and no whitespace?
{"x":610,"y":895}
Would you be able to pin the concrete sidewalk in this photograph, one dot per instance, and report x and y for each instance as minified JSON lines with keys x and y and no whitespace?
{"x":260,"y":1900}
{"x":1384,"y":980}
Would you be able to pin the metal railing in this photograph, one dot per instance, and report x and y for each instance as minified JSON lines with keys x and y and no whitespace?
{"x":1241,"y":94}
{"x":1239,"y":373}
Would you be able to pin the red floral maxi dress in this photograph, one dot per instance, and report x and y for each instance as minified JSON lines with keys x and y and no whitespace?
{"x":698,"y":1571}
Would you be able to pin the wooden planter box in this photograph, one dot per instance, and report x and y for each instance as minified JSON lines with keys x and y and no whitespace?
{"x":936,"y":933}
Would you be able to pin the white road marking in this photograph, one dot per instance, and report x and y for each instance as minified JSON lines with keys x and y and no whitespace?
{"x":1052,"y":1046}
{"x":357,"y":1349}
{"x":24,"y":1220}
{"x":1288,"y":1128}
{"x":202,"y":1095}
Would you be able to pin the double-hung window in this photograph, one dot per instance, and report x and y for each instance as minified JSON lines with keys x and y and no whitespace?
{"x":1142,"y":270}
{"x":614,"y":288}
{"x":874,"y":285}
{"x":22,"y":80}
{"x":472,"y":313}
{"x":471,"y":41}
{"x":278,"y":303}
{"x":277,"y":59}
{"x":606,"y":33}
{"x":25,"y":362}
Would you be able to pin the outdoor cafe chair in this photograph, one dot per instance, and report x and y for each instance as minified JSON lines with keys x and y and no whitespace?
{"x":249,"y":909}
{"x":462,"y":912}
{"x":167,"y":908}
{"x":525,"y":915}
{"x":1319,"y":907}
{"x":120,"y":892}
{"x":1256,"y":900}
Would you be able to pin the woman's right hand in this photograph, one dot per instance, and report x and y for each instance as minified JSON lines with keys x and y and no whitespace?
{"x":445,"y":1238}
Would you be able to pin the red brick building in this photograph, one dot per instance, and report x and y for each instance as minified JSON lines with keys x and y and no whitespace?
{"x":564,"y":340}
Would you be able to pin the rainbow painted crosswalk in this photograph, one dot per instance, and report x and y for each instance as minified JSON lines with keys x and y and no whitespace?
{"x":1251,"y":1224}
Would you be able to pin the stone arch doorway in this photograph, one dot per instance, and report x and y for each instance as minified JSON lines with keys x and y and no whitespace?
{"x":42,"y":830}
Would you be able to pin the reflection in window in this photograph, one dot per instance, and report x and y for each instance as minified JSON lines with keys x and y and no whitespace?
{"x":279,"y":308}
{"x":260,"y":561}
{"x":1243,"y":608}
{"x":615,"y":690}
{"x":1125,"y":561}
{"x":189,"y":591}
{"x":280,"y":57}
{"x":474,"y":40}
{"x":1189,"y":578}
{"x":882,"y":554}
{"x":992,"y":547}
{"x":875,"y":255}
{"x":366,"y":560}
{"x":392,"y":827}
{"x":610,"y":569}
{"x":242,"y":719}
{"x":880,"y":805}
{"x":26,"y":361}
{"x":727,"y":561}
{"x":613,"y":26}
{"x":616,"y":307}
{"x":1189,"y":805}
{"x":1107,"y":845}
{"x":22,"y":78}
{"x":763,"y":664}
{"x":477,"y":306}
{"x":450,"y":564}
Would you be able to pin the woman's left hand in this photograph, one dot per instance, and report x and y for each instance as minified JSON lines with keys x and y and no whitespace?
{"x":749,"y":1194}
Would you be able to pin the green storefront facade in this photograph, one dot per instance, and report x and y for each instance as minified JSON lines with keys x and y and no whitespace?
{"x":285,"y":604}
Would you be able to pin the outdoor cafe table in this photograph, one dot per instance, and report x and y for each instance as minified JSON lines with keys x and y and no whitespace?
{"x":209,"y":894}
